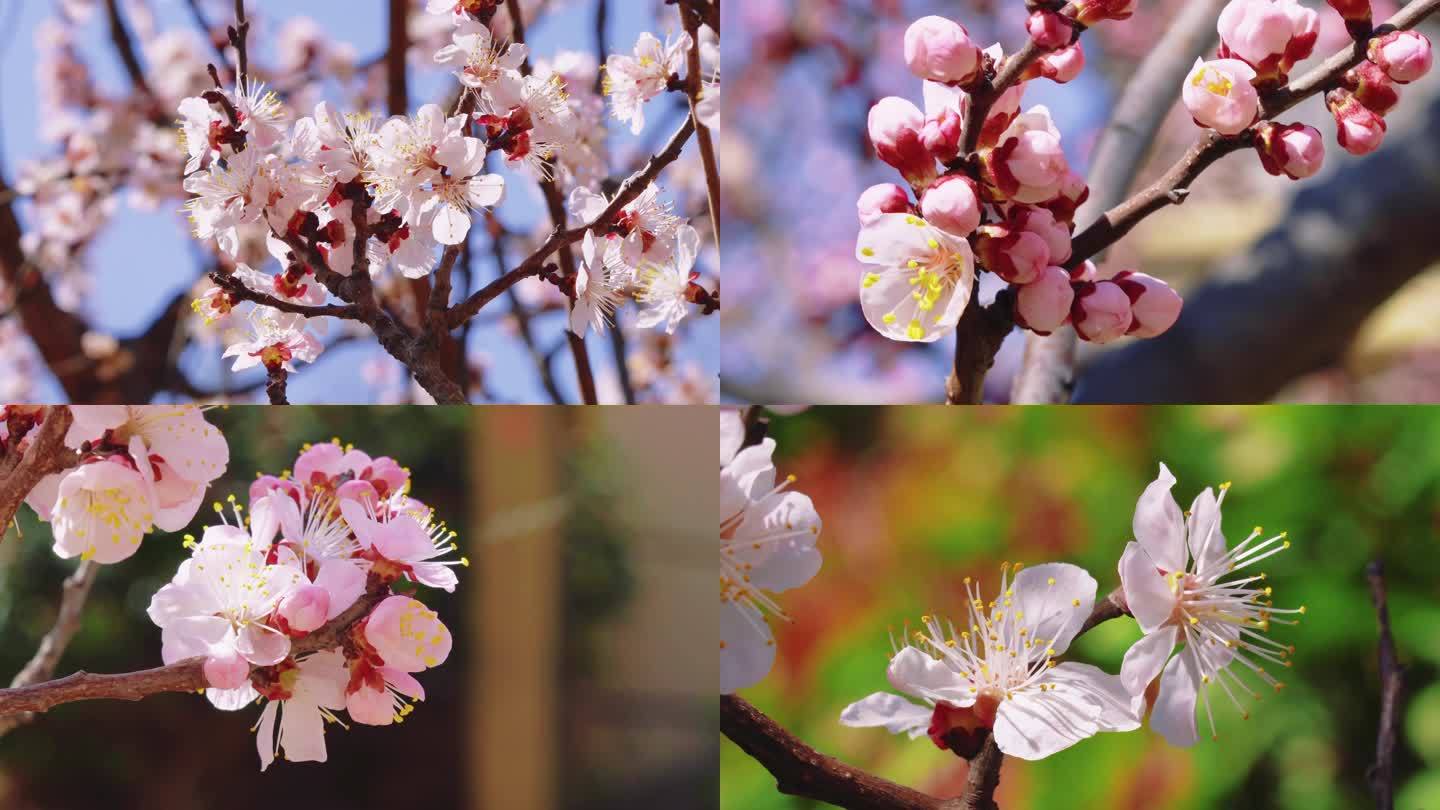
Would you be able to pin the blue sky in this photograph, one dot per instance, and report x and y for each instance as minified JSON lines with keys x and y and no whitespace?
{"x":144,"y":258}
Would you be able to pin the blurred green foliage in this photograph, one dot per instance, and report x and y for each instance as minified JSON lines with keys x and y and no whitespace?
{"x":916,"y":498}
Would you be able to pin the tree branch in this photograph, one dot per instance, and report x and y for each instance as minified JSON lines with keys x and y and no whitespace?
{"x":694,"y":85}
{"x":985,"y":95}
{"x":181,"y":676}
{"x":1392,"y":687}
{"x":800,"y":770}
{"x":45,"y":455}
{"x":237,"y":288}
{"x":978,"y":336}
{"x":67,"y":622}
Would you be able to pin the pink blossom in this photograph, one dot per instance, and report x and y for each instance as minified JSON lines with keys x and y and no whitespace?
{"x":1359,"y":129}
{"x":408,"y":635}
{"x":940,"y":50}
{"x":1403,"y":55}
{"x":304,"y":610}
{"x":1295,"y":150}
{"x":884,"y":198}
{"x":1042,"y":223}
{"x":952,"y":205}
{"x":1153,"y":304}
{"x":1254,"y":30}
{"x":1028,"y":165}
{"x":1059,"y":66}
{"x":1101,"y":312}
{"x":404,"y":544}
{"x":945,"y":108}
{"x":894,"y":127}
{"x":1010,"y":253}
{"x":226,"y":669}
{"x":1044,"y":304}
{"x":1219,"y":95}
{"x":379,"y":698}
{"x":1073,"y":194}
{"x":1048,"y":29}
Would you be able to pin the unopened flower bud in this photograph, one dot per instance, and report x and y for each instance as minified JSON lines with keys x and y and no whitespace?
{"x":1085,"y":271}
{"x":1254,"y":30}
{"x":1356,"y":14}
{"x":1359,"y":129}
{"x":941,"y":134}
{"x":940,"y":50}
{"x":1372,"y":87}
{"x":305,"y":609}
{"x":1089,"y":12}
{"x":1073,"y":194}
{"x":1014,"y":255}
{"x":894,"y":126}
{"x":1154,"y":306}
{"x":1294,"y":150}
{"x":1043,"y":305}
{"x":227,"y":670}
{"x":1058,"y":66}
{"x":1049,"y":29}
{"x":952,"y":205}
{"x":1219,"y":95}
{"x":1101,"y":312}
{"x":1042,"y":223}
{"x":884,"y":198}
{"x":1403,"y":55}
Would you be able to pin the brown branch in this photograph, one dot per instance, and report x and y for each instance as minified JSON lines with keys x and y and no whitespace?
{"x":1173,"y":186}
{"x":990,"y":90}
{"x":237,"y":288}
{"x":398,"y":96}
{"x":67,"y":622}
{"x":276,"y":379}
{"x":125,"y":47}
{"x":694,"y":85}
{"x":800,"y":770}
{"x":1392,"y":687}
{"x":978,"y":336}
{"x":181,"y":676}
{"x":239,"y":34}
{"x":46,"y":454}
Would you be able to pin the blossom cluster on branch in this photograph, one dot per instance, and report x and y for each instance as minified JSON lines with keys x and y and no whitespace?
{"x":289,"y":599}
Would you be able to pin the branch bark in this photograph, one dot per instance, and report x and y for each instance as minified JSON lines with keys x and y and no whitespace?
{"x":67,"y":622}
{"x":694,"y":84}
{"x":181,"y":676}
{"x":45,"y":454}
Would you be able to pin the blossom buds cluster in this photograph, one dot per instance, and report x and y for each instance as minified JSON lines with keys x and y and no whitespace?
{"x":1368,"y":91}
{"x":141,"y":468}
{"x":1269,"y":35}
{"x":1007,"y":208}
{"x":342,"y":529}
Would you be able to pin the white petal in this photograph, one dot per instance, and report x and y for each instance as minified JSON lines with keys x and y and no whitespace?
{"x":916,"y":673}
{"x":1048,"y":595}
{"x":1207,"y":541}
{"x":229,"y":700}
{"x":265,"y":739}
{"x":1146,"y":658}
{"x":791,"y":562}
{"x":1174,"y":713}
{"x":1119,"y":710}
{"x":263,"y":646}
{"x":1034,"y":724}
{"x":451,"y":224}
{"x":895,"y":713}
{"x":344,"y":580}
{"x":302,"y":732}
{"x":485,"y":190}
{"x":892,"y":239}
{"x":732,"y":434}
{"x":1146,"y":593}
{"x":747,"y":648}
{"x":886,"y":297}
{"x":1158,"y":524}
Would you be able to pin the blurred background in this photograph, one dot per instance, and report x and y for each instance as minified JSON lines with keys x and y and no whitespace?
{"x":916,"y":499}
{"x":92,"y":234}
{"x":578,"y":679}
{"x":1319,"y":290}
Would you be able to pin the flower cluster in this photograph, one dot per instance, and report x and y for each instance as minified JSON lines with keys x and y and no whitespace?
{"x":767,"y":544}
{"x":998,"y":673}
{"x":140,"y":468}
{"x":1260,"y":41}
{"x":1001,"y":200}
{"x":339,"y":531}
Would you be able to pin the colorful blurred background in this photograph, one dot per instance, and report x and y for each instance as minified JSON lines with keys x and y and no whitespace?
{"x":1319,"y":290}
{"x":577,"y":679}
{"x":914,"y":499}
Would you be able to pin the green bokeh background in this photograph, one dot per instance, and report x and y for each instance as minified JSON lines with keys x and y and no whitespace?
{"x":914,"y":499}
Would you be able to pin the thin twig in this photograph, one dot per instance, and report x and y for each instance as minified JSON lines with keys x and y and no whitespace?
{"x":694,"y":86}
{"x":239,"y":35}
{"x":237,"y":288}
{"x":52,"y":647}
{"x":397,"y":97}
{"x":45,"y":455}
{"x":1392,"y":687}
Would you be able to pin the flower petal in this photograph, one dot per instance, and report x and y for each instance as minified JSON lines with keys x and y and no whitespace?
{"x":1035,"y":724}
{"x":1055,"y":599}
{"x":1174,"y":714}
{"x":1146,"y":658}
{"x":1207,"y":541}
{"x":895,"y":713}
{"x":1149,"y":599}
{"x":747,"y":649}
{"x":1158,"y":524}
{"x":1120,"y":710}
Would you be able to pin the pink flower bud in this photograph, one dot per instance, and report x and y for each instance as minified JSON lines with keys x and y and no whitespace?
{"x":1049,"y":29}
{"x":1073,"y":194}
{"x":1254,"y":30}
{"x":1042,"y":223}
{"x":227,"y":669}
{"x":1294,"y":150}
{"x":1043,"y":305}
{"x":1153,"y":305}
{"x":952,"y":205}
{"x":1219,"y":95}
{"x":1014,"y":255}
{"x":941,"y":134}
{"x":305,"y":609}
{"x":940,"y":50}
{"x":1029,"y":164}
{"x":1353,"y":11}
{"x":894,"y":126}
{"x":1085,"y":271}
{"x":1304,"y":31}
{"x":1058,"y":66}
{"x":1403,"y":55}
{"x":885,"y":198}
{"x":1002,"y":113}
{"x":1360,"y":129}
{"x":1372,"y":87}
{"x":373,"y":707}
{"x":1089,"y":12}
{"x":1101,"y":312}
{"x":407,"y":635}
